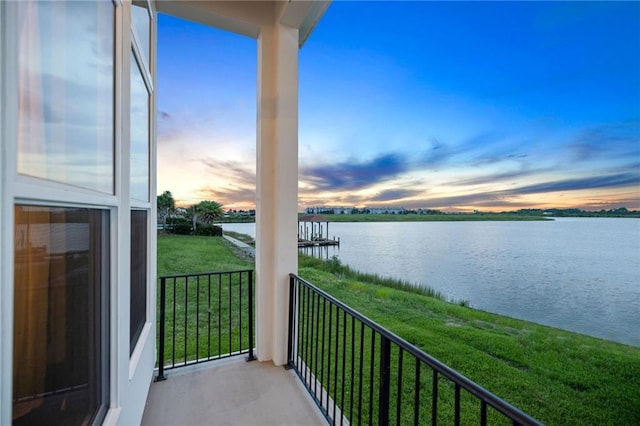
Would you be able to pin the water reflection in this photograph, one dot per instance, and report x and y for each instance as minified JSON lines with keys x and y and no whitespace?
{"x":321,"y":252}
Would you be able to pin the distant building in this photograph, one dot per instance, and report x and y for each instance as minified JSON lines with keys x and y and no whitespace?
{"x":383,"y":210}
{"x":354,"y":210}
{"x":329,"y":210}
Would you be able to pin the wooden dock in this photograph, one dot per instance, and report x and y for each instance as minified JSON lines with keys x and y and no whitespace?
{"x":318,"y":243}
{"x":313,"y":231}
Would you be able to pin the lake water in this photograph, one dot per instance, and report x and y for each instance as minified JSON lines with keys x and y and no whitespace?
{"x":579,"y":274}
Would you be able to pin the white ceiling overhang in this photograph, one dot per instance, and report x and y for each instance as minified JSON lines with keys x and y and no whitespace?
{"x":303,"y":15}
{"x":248,"y":17}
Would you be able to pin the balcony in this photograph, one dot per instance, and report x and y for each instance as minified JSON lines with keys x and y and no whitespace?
{"x":342,"y":368}
{"x":231,"y":391}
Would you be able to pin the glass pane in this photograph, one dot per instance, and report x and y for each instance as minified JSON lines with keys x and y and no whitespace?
{"x":66,"y":92}
{"x":138,"y":313}
{"x":140,"y":24}
{"x":60,"y":336}
{"x":139,"y":135}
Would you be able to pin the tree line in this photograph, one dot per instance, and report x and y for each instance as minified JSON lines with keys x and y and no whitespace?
{"x":196,"y":219}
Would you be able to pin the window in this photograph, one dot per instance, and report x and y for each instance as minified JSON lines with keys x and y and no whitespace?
{"x":66,"y":92}
{"x":141,"y":89}
{"x":138,"y":310}
{"x":140,"y":24}
{"x":139,"y":134}
{"x":61,"y":305}
{"x":65,"y":133}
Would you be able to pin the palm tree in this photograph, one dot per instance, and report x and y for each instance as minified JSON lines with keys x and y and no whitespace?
{"x":192,"y":212}
{"x":166,"y":206}
{"x":210,"y":211}
{"x":204,"y":212}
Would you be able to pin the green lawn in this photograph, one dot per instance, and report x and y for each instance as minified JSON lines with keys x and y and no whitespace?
{"x":185,"y":254}
{"x":556,"y":376}
{"x":214,"y":308}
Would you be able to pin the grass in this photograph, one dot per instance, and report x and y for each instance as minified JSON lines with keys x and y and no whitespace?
{"x":213,"y":308}
{"x":185,"y":254}
{"x":241,"y":237}
{"x":557,"y":376}
{"x":335,"y":267}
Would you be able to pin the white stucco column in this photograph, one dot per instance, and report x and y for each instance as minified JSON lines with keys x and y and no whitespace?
{"x":276,"y":188}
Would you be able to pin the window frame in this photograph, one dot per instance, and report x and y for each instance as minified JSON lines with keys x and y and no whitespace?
{"x":124,"y":376}
{"x":136,"y":64}
{"x":103,"y":322}
{"x":146,"y":67}
{"x":16,"y":189}
{"x":135,"y":335}
{"x":60,"y":188}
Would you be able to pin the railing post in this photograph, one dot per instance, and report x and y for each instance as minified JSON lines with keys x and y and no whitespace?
{"x":251,"y":356}
{"x":161,"y":375}
{"x":385,"y":378}
{"x":290,"y":360}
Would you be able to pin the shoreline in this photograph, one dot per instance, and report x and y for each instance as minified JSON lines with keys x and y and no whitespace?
{"x":557,"y":376}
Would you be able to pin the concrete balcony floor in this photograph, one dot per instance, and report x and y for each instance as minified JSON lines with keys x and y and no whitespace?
{"x":230,"y":392}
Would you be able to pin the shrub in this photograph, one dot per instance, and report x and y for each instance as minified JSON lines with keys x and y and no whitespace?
{"x":179,"y":225}
{"x":209,"y":230}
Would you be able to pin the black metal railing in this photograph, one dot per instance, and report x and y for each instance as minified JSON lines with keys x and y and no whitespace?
{"x":204,"y":317}
{"x":358,"y":372}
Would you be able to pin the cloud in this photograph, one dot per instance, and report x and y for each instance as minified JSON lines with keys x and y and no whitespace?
{"x":230,"y":182}
{"x":350,"y":175}
{"x":233,"y":197}
{"x":239,"y":172}
{"x":494,"y":178}
{"x":309,"y":198}
{"x":498,"y":158}
{"x":508,"y":199}
{"x":622,"y":138}
{"x":596,"y":182}
{"x":395,"y":194}
{"x":485,"y":199}
{"x":477,"y":150}
{"x":346,"y":179}
{"x":354,"y":175}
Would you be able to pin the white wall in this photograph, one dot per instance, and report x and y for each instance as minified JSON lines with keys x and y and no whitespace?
{"x":133,"y":373}
{"x":130,"y":376}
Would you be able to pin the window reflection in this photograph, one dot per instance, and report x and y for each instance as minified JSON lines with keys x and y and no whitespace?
{"x":60,"y":334}
{"x":139,"y":135}
{"x":141,"y":25}
{"x":66,"y":92}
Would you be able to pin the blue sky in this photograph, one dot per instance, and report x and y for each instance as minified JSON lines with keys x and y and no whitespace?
{"x":447,"y":105}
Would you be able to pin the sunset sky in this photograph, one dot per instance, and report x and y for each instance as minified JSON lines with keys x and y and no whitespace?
{"x":454,"y":106}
